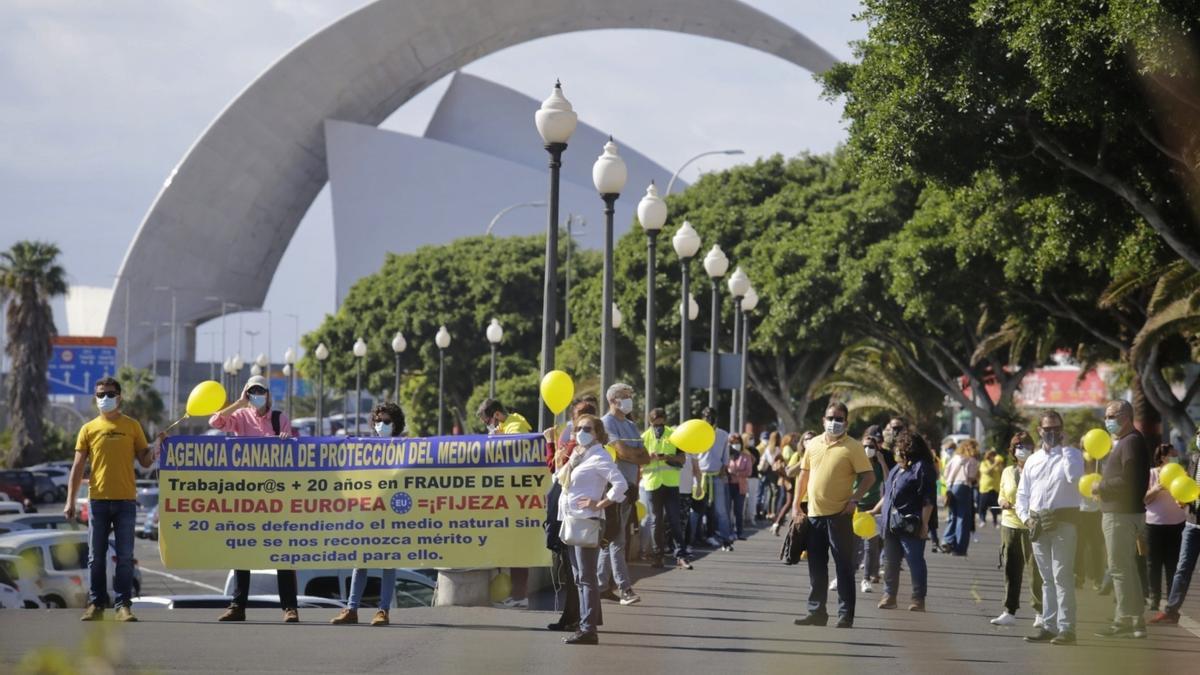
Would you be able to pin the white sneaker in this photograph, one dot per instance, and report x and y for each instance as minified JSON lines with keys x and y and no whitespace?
{"x":775,"y":529}
{"x":1038,"y":622}
{"x":1004,"y":619}
{"x":833,"y":585}
{"x":866,"y":586}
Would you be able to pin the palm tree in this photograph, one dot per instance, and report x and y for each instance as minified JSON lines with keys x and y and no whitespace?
{"x":139,"y":397}
{"x":29,"y":277}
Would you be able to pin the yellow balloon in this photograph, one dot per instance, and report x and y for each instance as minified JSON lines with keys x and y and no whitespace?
{"x":206,"y":398}
{"x":1184,"y":489}
{"x":694,"y":436}
{"x":641,"y":511}
{"x":1097,"y":443}
{"x":1088,"y":483}
{"x":612,"y":452}
{"x":557,"y":390}
{"x":1168,"y":473}
{"x":864,"y":525}
{"x":500,"y":587}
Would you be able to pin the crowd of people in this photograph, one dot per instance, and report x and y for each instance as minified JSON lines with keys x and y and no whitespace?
{"x":1126,"y":534}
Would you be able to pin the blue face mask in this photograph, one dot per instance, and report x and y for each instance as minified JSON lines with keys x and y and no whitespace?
{"x":106,"y":405}
{"x":1112,"y":426}
{"x":258,"y":400}
{"x":383,"y":428}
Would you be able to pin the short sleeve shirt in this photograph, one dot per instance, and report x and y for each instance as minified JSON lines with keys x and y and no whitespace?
{"x":112,"y":446}
{"x":832,"y":468}
{"x":626,"y":432}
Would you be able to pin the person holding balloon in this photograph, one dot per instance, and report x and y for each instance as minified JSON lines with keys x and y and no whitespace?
{"x":909,"y":500}
{"x":252,"y":415}
{"x":1185,"y":488}
{"x":660,"y":478}
{"x":1164,"y":525}
{"x":1123,"y":512}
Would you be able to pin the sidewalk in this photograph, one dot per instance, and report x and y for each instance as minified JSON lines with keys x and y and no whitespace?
{"x":732,"y":614}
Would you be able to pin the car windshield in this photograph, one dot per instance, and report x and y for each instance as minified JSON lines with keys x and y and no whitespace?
{"x":70,"y":556}
{"x":148,"y":500}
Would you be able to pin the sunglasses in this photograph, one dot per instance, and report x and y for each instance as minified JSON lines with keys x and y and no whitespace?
{"x":1049,"y":430}
{"x":256,"y":390}
{"x":587,"y":429}
{"x":835,"y":419}
{"x":107,"y":394}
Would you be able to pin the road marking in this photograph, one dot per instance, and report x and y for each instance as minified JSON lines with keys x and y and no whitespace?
{"x":182,"y":580}
{"x":1189,"y":625}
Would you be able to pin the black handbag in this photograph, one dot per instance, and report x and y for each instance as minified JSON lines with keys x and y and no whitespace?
{"x":795,"y":542}
{"x":901,"y":524}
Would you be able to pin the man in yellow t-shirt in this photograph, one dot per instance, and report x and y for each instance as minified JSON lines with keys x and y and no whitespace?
{"x":111,"y":442}
{"x":832,"y":463}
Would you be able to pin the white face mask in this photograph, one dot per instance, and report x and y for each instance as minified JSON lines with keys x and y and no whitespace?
{"x":870,"y":451}
{"x":383,"y":428}
{"x":835,"y":428}
{"x":492,"y":428}
{"x":106,"y":405}
{"x":1022,"y":453}
{"x":626,"y":405}
{"x":584,"y":438}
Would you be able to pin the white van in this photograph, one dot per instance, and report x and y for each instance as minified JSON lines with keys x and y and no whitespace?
{"x":413,"y":588}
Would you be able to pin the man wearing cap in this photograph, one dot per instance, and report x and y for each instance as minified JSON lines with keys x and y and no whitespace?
{"x":251,"y":415}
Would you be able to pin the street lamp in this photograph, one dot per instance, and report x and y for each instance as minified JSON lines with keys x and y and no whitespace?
{"x":683,"y":166}
{"x":227,"y":374}
{"x":399,"y":344}
{"x":686,"y":243}
{"x":261,"y":362}
{"x":652,"y":214}
{"x":174,"y":352}
{"x":442,"y":340}
{"x":693,"y":308}
{"x":555,"y":122}
{"x":739,"y":285}
{"x":321,"y":353}
{"x":360,"y":350}
{"x":237,"y":363}
{"x":608,"y":174}
{"x":748,"y":304}
{"x":617,"y":317}
{"x":289,"y":373}
{"x":494,"y":334}
{"x":715,"y":264}
{"x":500,"y":214}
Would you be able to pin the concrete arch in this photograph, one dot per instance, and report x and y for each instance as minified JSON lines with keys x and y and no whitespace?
{"x":225,"y":215}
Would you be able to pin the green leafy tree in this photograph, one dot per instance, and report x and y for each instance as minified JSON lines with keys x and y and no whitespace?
{"x":30,"y":277}
{"x":139,"y":397}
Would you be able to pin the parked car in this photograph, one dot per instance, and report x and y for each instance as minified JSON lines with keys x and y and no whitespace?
{"x":7,"y":507}
{"x":10,"y":597}
{"x":25,"y":578}
{"x":7,"y":527}
{"x":214,"y":601}
{"x":147,"y":498}
{"x":61,"y":558}
{"x":39,"y":521}
{"x":11,"y":492}
{"x":81,"y":502}
{"x":37,"y":487}
{"x":414,"y":588}
{"x":149,"y":529}
{"x":60,"y":478}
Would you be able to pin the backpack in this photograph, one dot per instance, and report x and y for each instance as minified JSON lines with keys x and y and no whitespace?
{"x":275,"y":415}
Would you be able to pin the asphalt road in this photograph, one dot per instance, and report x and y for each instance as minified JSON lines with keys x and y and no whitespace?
{"x":733,"y":613}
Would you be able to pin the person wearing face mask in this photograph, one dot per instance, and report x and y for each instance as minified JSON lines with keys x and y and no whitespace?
{"x":499,"y":420}
{"x":660,"y":478}
{"x":1121,"y":491}
{"x":741,"y":465}
{"x":909,"y":500}
{"x":1016,"y":552}
{"x":714,"y":503}
{"x":962,"y":473}
{"x":867,"y":552}
{"x":388,"y":421}
{"x":1048,"y":503}
{"x":1189,"y":547}
{"x":626,"y":440}
{"x":584,"y":478}
{"x":1164,"y":527}
{"x":832,"y":466}
{"x":251,"y":415}
{"x":890,"y":432}
{"x":111,"y":442}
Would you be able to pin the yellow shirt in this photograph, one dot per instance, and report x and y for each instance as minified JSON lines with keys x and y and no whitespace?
{"x":989,"y":475}
{"x":514,"y":424}
{"x":658,"y":473}
{"x":112,"y":447}
{"x":1008,"y":492}
{"x":832,"y":468}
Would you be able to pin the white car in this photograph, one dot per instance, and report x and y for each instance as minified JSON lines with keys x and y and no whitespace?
{"x":25,"y":579}
{"x":10,"y":597}
{"x":58,"y":558}
{"x":214,"y":601}
{"x":60,"y":478}
{"x":11,"y":507}
{"x":413,"y":588}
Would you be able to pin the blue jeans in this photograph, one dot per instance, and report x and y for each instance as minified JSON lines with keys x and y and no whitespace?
{"x":1189,"y":551}
{"x":358,"y":586}
{"x":913,"y":550}
{"x":962,"y":518}
{"x":612,"y":563}
{"x":715,"y":507}
{"x":826,"y":534}
{"x":664,"y":502}
{"x":117,"y":517}
{"x":583,"y":564}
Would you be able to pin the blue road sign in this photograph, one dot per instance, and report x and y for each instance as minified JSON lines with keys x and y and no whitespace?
{"x":77,"y":362}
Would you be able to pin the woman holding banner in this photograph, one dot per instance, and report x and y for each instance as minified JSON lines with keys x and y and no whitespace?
{"x":251,"y":415}
{"x":584,"y":479}
{"x":388,"y":421}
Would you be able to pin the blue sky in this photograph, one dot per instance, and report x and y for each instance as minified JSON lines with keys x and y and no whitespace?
{"x":103,"y":99}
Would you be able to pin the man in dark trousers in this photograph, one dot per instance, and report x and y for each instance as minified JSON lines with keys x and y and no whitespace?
{"x":1125,"y":477}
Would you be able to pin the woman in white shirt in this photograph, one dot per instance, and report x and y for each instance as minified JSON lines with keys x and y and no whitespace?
{"x":591,"y":482}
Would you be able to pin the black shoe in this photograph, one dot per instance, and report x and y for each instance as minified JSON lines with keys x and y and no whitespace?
{"x":656,"y":563}
{"x":561,"y":627}
{"x":812,"y":620}
{"x":1042,"y":635}
{"x":1067,"y":638}
{"x":845,"y":622}
{"x":1118,"y":631}
{"x":582,"y":639}
{"x":609,"y":595}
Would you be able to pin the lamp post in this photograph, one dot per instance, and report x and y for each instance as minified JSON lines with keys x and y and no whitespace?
{"x":494,"y":334}
{"x":715,"y":265}
{"x":226,"y":366}
{"x":174,"y":346}
{"x":442,"y":340}
{"x":739,"y":285}
{"x":321,"y":353}
{"x":555,"y":121}
{"x":261,"y":362}
{"x":652,"y":214}
{"x":237,"y":363}
{"x":748,"y":304}
{"x":567,"y":277}
{"x":608,"y":174}
{"x":289,"y":373}
{"x":683,"y":166}
{"x":500,"y":214}
{"x":360,"y":350}
{"x":686,"y":243}
{"x":617,"y":317}
{"x":399,"y":344}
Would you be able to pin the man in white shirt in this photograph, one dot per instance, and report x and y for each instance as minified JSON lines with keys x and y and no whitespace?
{"x":1048,"y":503}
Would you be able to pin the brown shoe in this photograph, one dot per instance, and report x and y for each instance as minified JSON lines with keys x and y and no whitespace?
{"x":125,"y":614}
{"x":92,"y":613}
{"x":887,"y":602}
{"x":917,"y":606}
{"x":345,"y":616}
{"x":381,"y":618}
{"x":233,"y":613}
{"x":291,"y":615}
